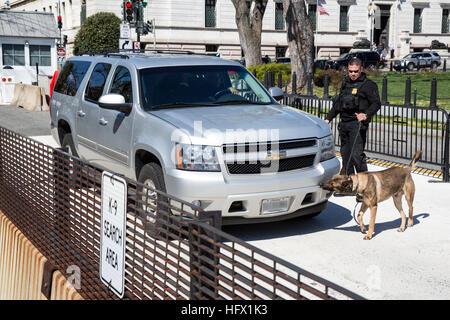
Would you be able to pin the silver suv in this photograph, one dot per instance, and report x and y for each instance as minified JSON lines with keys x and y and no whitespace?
{"x":416,"y":60}
{"x":199,"y":128}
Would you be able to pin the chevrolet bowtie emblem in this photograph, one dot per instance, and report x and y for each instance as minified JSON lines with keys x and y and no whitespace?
{"x":276,"y":155}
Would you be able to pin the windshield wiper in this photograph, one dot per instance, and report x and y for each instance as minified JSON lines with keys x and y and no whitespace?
{"x":240,"y":102}
{"x":181,"y":105}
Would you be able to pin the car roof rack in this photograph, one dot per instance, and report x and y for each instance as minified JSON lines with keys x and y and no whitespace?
{"x":124,"y":53}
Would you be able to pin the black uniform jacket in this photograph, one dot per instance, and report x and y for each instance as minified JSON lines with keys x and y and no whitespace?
{"x":369,"y":101}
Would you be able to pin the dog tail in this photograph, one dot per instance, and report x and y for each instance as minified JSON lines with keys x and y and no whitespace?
{"x":415,"y":159}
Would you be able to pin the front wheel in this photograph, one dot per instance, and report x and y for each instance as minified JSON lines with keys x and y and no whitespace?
{"x":154,"y":205}
{"x":67,"y":142}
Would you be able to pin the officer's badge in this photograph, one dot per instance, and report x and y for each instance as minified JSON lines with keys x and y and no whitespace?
{"x":354,"y":91}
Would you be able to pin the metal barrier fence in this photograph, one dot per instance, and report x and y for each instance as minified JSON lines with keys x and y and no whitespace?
{"x":397,"y":131}
{"x":173,"y":250}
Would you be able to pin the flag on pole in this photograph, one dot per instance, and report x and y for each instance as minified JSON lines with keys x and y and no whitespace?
{"x":322,"y":9}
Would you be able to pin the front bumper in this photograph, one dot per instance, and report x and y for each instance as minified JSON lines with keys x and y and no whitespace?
{"x":219,"y":192}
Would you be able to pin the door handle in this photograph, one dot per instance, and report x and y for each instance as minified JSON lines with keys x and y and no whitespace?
{"x":103,"y":122}
{"x":81,"y":114}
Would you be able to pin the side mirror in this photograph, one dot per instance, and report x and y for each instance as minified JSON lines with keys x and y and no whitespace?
{"x":114,"y":101}
{"x":276,"y":93}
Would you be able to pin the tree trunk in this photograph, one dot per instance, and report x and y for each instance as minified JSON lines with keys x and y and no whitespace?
{"x":300,"y":38}
{"x":250,"y":28}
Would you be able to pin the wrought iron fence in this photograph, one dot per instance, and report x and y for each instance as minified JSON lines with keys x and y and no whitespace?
{"x":173,"y":249}
{"x":396,"y":130}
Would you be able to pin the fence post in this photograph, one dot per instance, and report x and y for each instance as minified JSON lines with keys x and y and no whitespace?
{"x":446,"y":150}
{"x":445,"y":65}
{"x":266,"y":79}
{"x":415,"y":103}
{"x":433,"y":95}
{"x":384,"y":99}
{"x":390,"y":67}
{"x":408,"y":92}
{"x":37,"y":73}
{"x":294,"y":83}
{"x":326,"y":83}
{"x":280,"y":80}
{"x":309,"y":83}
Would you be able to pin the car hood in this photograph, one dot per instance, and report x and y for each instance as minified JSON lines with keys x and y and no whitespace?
{"x":238,"y":124}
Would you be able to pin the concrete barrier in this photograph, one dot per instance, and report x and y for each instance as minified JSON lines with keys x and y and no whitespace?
{"x":22,"y":269}
{"x":31,"y":98}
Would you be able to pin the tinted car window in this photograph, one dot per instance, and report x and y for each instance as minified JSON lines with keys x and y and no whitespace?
{"x":121,"y":84}
{"x":71,"y":76}
{"x":97,"y":81}
{"x":427,"y":55}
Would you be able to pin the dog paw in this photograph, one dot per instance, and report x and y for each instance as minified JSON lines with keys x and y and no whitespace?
{"x":367,"y":237}
{"x":401,"y":229}
{"x":363,"y":229}
{"x":410,"y":223}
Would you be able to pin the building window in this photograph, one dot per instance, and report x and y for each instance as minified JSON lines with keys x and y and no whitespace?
{"x":343,"y":18}
{"x":279,"y":17}
{"x":280,"y":51}
{"x":40,"y":55}
{"x":13,"y":54}
{"x":211,"y":48}
{"x":312,"y":15}
{"x":445,"y":21}
{"x":210,"y":13}
{"x":417,"y":20}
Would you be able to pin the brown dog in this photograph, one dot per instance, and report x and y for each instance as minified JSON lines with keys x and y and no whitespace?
{"x":378,"y":186}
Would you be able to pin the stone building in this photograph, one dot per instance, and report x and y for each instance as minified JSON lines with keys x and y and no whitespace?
{"x":209,"y":25}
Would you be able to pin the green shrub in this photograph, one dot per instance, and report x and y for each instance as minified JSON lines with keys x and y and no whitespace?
{"x":285,"y":70}
{"x":335,"y":78}
{"x":100,"y":31}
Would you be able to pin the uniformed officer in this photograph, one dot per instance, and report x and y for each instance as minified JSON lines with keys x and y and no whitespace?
{"x":357,"y":102}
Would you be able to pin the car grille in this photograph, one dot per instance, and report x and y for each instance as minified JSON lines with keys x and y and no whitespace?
{"x":267,"y":146}
{"x":286,"y":164}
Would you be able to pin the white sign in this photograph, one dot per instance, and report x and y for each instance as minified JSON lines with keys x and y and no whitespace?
{"x":61,"y":59}
{"x":126,"y":44}
{"x":125,"y":31}
{"x":137,"y":45}
{"x":113,"y":232}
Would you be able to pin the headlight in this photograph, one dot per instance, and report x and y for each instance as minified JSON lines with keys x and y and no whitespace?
{"x":196,"y":158}
{"x":326,"y":146}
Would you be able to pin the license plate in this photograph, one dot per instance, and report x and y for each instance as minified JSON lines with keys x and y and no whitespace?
{"x":275,"y":205}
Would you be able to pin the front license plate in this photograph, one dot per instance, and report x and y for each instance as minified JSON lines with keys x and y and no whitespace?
{"x":275,"y":205}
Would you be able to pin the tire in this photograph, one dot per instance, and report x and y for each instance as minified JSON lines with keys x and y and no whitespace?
{"x":410,"y":66}
{"x":67,"y":142}
{"x":152,"y":175}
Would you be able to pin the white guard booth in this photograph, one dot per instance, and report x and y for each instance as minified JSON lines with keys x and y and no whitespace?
{"x":26,"y":38}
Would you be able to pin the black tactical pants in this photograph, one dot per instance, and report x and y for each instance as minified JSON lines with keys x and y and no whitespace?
{"x":348,"y":132}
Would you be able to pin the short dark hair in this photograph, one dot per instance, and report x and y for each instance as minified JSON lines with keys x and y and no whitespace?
{"x":355,"y":62}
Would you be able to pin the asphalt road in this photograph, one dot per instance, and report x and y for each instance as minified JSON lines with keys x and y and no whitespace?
{"x":393,"y":265}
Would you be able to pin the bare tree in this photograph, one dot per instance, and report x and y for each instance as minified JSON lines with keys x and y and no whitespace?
{"x":250,"y":28}
{"x":300,"y":38}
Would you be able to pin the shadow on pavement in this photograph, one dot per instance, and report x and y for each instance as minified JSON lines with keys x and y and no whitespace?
{"x":332,"y":217}
{"x":383,"y":226}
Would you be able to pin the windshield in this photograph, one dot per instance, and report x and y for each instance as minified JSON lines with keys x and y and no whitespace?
{"x":408,"y":56}
{"x":343,"y":56}
{"x":197,"y":86}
